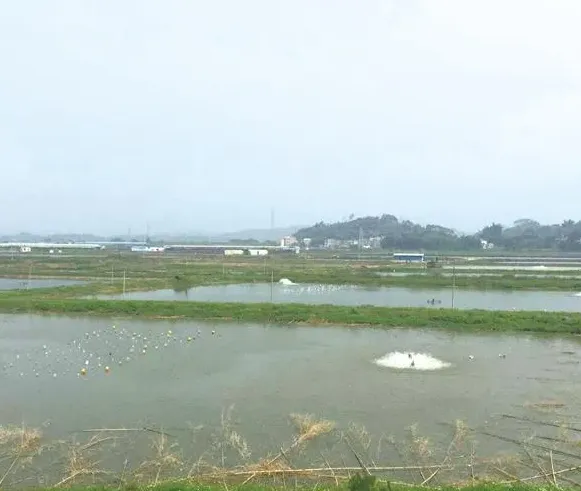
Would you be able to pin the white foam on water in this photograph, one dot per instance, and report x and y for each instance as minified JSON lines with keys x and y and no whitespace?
{"x":286,"y":281}
{"x":577,"y":294}
{"x":421,"y":361}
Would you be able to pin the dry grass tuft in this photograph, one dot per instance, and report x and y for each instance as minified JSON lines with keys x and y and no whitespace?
{"x":310,"y":428}
{"x":229,"y":439}
{"x":20,"y":440}
{"x":165,"y":461}
{"x":548,"y":404}
{"x":358,"y":433}
{"x":419,"y":445}
{"x":78,"y":464}
{"x":460,"y":432}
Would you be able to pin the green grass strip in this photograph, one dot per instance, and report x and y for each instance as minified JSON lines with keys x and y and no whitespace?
{"x":462,"y":320}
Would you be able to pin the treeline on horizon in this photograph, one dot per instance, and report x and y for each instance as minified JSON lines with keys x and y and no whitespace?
{"x":523,"y":234}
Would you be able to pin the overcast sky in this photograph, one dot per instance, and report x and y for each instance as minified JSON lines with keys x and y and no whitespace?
{"x":202,"y":115}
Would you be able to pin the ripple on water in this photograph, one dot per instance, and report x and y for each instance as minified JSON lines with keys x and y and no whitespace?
{"x":417,"y":361}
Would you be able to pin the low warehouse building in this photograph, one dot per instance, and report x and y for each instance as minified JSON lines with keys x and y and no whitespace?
{"x":408,"y":257}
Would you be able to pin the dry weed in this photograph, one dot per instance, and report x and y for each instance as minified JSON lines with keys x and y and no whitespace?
{"x":228,"y":438}
{"x":358,"y":433}
{"x":79,"y":463}
{"x":545,"y":405}
{"x":461,"y":431}
{"x":419,"y":446}
{"x":166,"y":460}
{"x":267,"y":465}
{"x":310,"y":428}
{"x":20,"y":440}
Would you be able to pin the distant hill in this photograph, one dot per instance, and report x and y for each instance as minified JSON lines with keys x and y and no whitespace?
{"x":523,"y":234}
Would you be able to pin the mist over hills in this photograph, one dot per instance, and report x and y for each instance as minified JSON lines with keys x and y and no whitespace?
{"x":261,"y":235}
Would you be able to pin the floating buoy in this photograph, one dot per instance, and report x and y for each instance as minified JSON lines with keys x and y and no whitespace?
{"x":471,"y":357}
{"x":83,"y":371}
{"x":213,"y":332}
{"x":189,"y":338}
{"x":107,"y":370}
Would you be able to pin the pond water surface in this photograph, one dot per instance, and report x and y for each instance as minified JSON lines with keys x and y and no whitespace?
{"x":380,"y":296}
{"x":24,"y":283}
{"x":179,"y":375}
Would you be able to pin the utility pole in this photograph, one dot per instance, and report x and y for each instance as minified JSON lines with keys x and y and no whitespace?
{"x":453,"y":281}
{"x":29,"y":276}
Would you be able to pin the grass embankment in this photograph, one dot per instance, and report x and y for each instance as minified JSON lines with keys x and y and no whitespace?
{"x":178,"y":486}
{"x":146,"y":272}
{"x":462,"y":320}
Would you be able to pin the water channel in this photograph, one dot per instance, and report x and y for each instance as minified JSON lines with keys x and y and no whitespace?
{"x":380,"y":296}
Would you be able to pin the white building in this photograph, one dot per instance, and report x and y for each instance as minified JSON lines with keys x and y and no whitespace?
{"x":288,"y":241}
{"x":233,"y":252}
{"x":258,"y":252}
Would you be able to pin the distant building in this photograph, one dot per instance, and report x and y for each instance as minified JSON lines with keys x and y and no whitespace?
{"x":233,"y":252}
{"x":485,"y":244}
{"x":375,"y":242}
{"x":258,"y":252}
{"x":288,"y":241}
{"x":408,"y":257}
{"x":331,"y":243}
{"x":147,"y":249}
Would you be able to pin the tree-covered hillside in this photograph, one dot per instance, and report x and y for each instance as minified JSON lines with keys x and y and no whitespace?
{"x":524,"y":234}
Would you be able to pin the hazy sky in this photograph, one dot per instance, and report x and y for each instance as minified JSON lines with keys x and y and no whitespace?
{"x":201,"y":115}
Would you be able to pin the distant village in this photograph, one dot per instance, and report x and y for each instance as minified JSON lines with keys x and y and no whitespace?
{"x":337,"y":244}
{"x":363,"y":243}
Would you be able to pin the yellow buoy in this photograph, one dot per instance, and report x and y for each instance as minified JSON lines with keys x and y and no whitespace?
{"x":83,"y":371}
{"x":107,"y":369}
{"x":189,"y":338}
